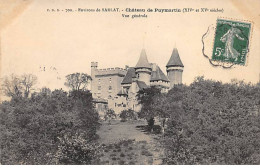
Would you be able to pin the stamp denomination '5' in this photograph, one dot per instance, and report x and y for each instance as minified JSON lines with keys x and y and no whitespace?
{"x":231,"y":42}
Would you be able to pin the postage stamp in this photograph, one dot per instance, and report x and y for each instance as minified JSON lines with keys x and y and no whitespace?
{"x":231,"y":44}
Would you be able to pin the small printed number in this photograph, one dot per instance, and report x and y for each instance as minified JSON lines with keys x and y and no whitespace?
{"x":68,"y":10}
{"x":218,"y":51}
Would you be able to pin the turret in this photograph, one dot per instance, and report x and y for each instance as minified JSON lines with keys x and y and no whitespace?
{"x":174,"y":69}
{"x":94,"y":66}
{"x":143,"y":69}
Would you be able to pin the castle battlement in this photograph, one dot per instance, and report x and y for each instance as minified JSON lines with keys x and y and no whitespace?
{"x":107,"y":69}
{"x":111,"y":71}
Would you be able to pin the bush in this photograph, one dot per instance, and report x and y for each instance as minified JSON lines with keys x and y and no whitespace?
{"x":77,"y":151}
{"x":127,"y":115}
{"x":109,"y":114}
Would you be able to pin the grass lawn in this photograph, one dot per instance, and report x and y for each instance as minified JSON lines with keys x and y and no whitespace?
{"x":123,"y":143}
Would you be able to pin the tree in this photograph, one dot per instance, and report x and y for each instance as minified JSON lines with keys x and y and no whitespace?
{"x":110,"y":113}
{"x":146,"y":98}
{"x":18,"y":86}
{"x":84,"y":107}
{"x":77,"y":81}
{"x":28,"y":81}
{"x":161,"y":108}
{"x":11,"y":86}
{"x":127,"y":114}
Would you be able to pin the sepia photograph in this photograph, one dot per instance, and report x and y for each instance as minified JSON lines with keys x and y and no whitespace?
{"x":129,"y":82}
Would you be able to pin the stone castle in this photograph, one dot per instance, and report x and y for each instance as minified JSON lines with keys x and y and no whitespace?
{"x":116,"y":88}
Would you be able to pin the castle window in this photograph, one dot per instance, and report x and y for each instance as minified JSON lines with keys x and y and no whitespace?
{"x":110,"y":80}
{"x":99,"y":87}
{"x":99,"y":107}
{"x":99,"y":81}
{"x":110,"y":88}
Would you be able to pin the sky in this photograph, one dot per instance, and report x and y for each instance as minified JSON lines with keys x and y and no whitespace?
{"x":65,"y":43}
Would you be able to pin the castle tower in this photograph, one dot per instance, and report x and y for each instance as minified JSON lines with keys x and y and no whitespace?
{"x":174,"y":69}
{"x":143,"y":69}
{"x":94,"y":66}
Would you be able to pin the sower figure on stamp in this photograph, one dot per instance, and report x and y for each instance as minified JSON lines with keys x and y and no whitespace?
{"x":228,"y":38}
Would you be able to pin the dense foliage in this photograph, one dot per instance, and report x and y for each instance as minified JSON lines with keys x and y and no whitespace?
{"x":212,"y":123}
{"x":32,"y":128}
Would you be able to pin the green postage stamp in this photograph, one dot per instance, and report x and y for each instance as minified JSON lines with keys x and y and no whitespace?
{"x":231,"y":44}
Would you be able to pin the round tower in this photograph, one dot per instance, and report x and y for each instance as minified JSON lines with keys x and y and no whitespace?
{"x":143,"y":69}
{"x":174,"y":69}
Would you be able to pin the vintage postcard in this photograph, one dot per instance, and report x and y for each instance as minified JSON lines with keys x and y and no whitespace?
{"x":129,"y":82}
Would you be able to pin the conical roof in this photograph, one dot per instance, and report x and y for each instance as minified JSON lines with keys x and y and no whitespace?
{"x":143,"y":61}
{"x":158,"y":75}
{"x":175,"y":59}
{"x":129,"y":75}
